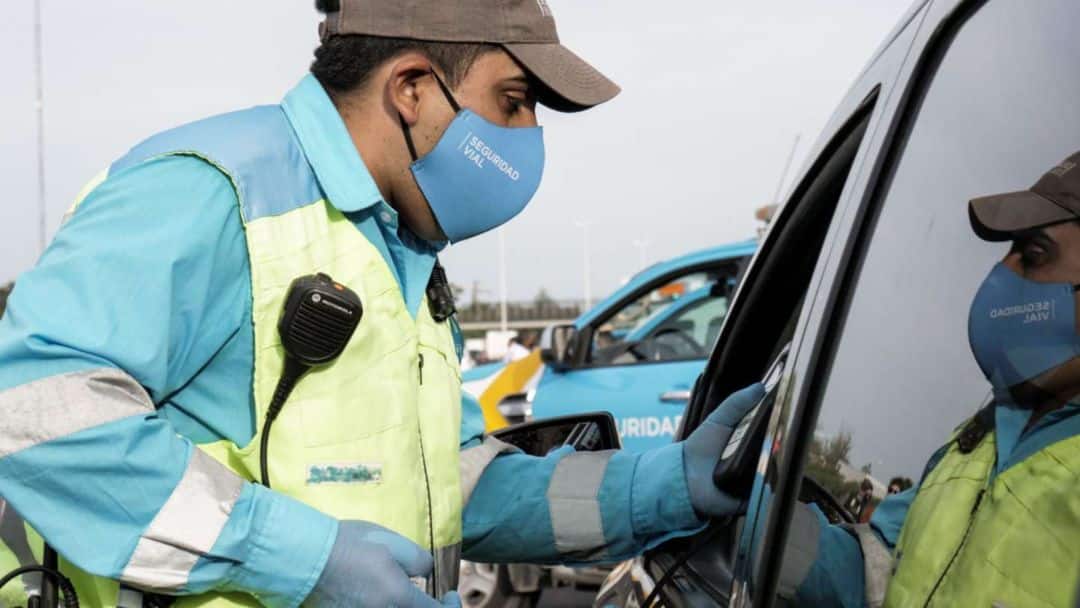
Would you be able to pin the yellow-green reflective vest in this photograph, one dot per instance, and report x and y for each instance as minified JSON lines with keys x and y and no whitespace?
{"x":1009,"y":543}
{"x":386,"y":412}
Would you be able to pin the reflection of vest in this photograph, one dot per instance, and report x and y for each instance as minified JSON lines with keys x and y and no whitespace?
{"x":1011,"y":542}
{"x":375,"y":435}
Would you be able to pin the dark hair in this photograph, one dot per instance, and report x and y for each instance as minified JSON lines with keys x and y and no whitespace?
{"x":901,"y":482}
{"x":345,"y":63}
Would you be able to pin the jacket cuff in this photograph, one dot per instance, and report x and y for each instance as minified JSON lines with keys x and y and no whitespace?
{"x":660,"y":498}
{"x":290,"y":544}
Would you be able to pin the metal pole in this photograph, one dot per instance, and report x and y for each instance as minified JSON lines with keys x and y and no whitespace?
{"x":40,"y":103}
{"x":787,"y":167}
{"x":504,"y":324}
{"x":586,"y":266}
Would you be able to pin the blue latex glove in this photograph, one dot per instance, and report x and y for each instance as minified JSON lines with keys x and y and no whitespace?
{"x":702,"y":450}
{"x":370,"y":567}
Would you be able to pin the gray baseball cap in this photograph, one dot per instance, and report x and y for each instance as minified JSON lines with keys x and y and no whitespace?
{"x":1053,"y":199}
{"x":525,"y":28}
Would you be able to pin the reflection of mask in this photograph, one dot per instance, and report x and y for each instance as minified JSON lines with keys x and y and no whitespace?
{"x":479,"y":175}
{"x":1019,"y":329}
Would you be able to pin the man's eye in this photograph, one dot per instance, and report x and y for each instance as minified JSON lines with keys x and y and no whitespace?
{"x":513,"y":104}
{"x":1033,"y":255}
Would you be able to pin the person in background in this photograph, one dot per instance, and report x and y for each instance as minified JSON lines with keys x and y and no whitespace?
{"x":899,"y":484}
{"x":860,"y":502}
{"x":516,"y":349}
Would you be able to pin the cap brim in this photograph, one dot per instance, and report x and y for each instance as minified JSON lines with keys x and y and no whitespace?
{"x":569,"y":84}
{"x":1001,"y":216}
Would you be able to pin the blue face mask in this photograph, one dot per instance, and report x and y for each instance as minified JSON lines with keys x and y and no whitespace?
{"x":1019,"y":329}
{"x":479,"y":175}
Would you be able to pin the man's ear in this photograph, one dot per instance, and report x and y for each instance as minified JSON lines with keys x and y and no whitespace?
{"x":406,"y":77}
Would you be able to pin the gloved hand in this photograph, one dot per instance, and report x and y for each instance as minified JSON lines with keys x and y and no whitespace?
{"x":702,"y":450}
{"x":370,"y":566}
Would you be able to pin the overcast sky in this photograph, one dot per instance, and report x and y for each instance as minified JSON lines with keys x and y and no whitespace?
{"x":714,"y":93}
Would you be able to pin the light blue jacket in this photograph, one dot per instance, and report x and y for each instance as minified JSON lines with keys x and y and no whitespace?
{"x":143,"y":299}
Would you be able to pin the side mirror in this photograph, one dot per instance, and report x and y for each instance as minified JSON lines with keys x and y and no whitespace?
{"x":592,"y":432}
{"x":516,"y":408}
{"x":557,"y":346}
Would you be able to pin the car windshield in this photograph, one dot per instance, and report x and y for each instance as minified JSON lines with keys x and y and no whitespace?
{"x":684,"y":314}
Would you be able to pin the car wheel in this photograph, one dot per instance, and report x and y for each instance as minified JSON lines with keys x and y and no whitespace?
{"x":488,"y":586}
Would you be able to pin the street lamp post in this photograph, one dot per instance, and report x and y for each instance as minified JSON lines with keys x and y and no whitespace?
{"x":586,"y":263}
{"x":40,"y":106}
{"x":504,"y":323}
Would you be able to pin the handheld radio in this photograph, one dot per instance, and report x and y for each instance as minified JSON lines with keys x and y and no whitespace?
{"x":317,"y":321}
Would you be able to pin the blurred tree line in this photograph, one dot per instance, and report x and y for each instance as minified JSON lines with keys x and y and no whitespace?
{"x":823,"y":465}
{"x":4,"y":291}
{"x":542,"y":307}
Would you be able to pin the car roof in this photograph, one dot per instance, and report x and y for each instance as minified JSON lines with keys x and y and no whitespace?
{"x":651,"y":273}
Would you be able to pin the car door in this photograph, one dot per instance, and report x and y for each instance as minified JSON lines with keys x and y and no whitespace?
{"x":643,"y":351}
{"x":772,"y":310}
{"x":991,"y":98}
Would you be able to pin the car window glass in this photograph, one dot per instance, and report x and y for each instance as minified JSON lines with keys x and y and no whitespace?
{"x":1000,"y":111}
{"x":771,"y":299}
{"x":674,"y":321}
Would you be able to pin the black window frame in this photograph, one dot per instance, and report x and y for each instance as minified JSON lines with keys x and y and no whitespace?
{"x":839,"y":294}
{"x":746,"y":345}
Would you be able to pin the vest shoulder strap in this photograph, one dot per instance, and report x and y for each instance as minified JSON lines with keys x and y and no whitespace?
{"x":256,"y":148}
{"x":967,"y":437}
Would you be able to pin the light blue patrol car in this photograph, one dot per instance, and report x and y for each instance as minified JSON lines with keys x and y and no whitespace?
{"x":638,"y":352}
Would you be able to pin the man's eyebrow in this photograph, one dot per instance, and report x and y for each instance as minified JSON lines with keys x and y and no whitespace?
{"x":519,"y":79}
{"x":1034,"y":235}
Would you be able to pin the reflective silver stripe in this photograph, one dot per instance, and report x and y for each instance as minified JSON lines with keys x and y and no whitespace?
{"x":800,"y":551}
{"x":575,"y":507}
{"x":473,"y":461}
{"x":186,"y":527}
{"x":877,"y":564}
{"x":61,"y":405}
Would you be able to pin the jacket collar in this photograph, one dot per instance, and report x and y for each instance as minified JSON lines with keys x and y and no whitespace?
{"x":329,"y":147}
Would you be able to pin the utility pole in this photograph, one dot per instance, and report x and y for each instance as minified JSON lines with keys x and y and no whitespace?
{"x":40,"y":103}
{"x":586,"y":265}
{"x":504,"y":324}
{"x":787,"y":167}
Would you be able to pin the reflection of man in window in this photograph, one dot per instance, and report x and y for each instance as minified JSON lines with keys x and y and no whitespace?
{"x":995,"y":517}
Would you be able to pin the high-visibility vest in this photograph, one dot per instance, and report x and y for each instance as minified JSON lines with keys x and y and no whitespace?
{"x":374,"y":436}
{"x":1013,"y":541}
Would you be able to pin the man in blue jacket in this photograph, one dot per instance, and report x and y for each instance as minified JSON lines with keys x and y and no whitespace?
{"x":138,"y":357}
{"x":995,"y":517}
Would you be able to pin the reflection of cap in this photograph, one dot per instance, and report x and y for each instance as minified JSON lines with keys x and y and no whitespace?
{"x":1054,"y":198}
{"x":525,"y":28}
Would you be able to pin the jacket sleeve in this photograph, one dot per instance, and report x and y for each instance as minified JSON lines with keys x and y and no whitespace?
{"x":137,"y":292}
{"x":846,"y":566}
{"x":571,"y":507}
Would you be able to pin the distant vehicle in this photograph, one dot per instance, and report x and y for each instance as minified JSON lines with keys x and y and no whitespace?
{"x":640,"y":350}
{"x":637,"y":353}
{"x":861,"y":290}
{"x":643,"y":348}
